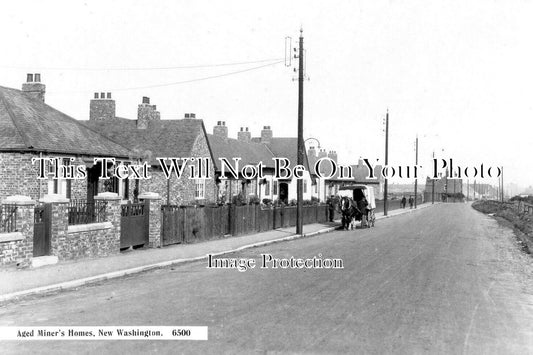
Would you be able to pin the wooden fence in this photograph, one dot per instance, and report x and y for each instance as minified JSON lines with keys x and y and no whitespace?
{"x":184,"y":224}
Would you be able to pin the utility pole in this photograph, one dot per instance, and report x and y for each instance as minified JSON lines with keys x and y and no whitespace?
{"x":416,"y":162}
{"x":502,"y":184}
{"x":433,"y":186}
{"x":301,"y":146}
{"x":385,"y":190}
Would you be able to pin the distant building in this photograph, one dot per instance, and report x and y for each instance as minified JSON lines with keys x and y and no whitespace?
{"x":443,"y":189}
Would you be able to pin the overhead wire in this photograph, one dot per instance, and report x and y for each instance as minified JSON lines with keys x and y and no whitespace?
{"x":192,"y":66}
{"x":190,"y":80}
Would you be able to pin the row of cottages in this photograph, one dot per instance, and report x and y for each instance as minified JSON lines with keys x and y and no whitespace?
{"x":29,"y":129}
{"x":252,"y":151}
{"x":151,"y":137}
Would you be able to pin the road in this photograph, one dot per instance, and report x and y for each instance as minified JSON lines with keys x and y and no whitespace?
{"x":445,"y":279}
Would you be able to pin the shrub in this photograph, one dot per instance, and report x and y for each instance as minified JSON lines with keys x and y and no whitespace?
{"x":254,"y":200}
{"x":239,"y":200}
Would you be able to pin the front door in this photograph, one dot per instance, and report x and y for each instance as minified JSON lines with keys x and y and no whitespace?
{"x":41,"y":229}
{"x":284,"y":192}
{"x":92,"y":182}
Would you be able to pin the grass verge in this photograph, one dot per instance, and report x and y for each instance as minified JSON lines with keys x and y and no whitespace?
{"x":521,"y":222}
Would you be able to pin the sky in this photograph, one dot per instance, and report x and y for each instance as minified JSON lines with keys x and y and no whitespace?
{"x":456,"y":74}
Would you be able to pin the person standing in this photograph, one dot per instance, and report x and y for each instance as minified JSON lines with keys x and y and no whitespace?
{"x":331,"y":208}
{"x":403,"y":201}
{"x":411,"y":201}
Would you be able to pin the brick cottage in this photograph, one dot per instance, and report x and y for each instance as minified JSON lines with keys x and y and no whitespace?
{"x":152,"y":137}
{"x":30,"y":129}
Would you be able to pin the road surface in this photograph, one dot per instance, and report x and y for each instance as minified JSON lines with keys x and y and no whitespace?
{"x":445,"y":279}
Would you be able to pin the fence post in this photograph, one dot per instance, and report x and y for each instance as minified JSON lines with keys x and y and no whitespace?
{"x":58,"y":223}
{"x":112,"y":214}
{"x":19,"y":248}
{"x":231,"y":215}
{"x":154,"y":218}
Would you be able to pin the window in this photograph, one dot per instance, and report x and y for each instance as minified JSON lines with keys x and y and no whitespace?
{"x":199,"y":192}
{"x":275,"y":188}
{"x":59,"y":186}
{"x":267,"y":188}
{"x":305,"y":186}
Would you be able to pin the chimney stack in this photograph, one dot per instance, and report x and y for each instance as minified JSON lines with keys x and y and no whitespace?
{"x":244,"y":135}
{"x":102,"y":107}
{"x":266,"y":135}
{"x":33,"y":86}
{"x":220,"y":130}
{"x":311,"y":158}
{"x":146,"y":113}
{"x":332,"y":155}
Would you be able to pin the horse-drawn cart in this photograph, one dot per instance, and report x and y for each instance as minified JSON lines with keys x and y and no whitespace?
{"x":357,"y":203}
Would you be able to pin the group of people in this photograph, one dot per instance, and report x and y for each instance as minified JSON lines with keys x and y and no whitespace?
{"x":411,"y":201}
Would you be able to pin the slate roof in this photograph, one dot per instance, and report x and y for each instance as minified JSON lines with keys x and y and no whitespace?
{"x":28,"y":124}
{"x":249,"y":152}
{"x":162,"y":138}
{"x":285,"y":147}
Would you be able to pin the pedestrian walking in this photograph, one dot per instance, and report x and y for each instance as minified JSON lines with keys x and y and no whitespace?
{"x":403,"y":201}
{"x":411,"y":201}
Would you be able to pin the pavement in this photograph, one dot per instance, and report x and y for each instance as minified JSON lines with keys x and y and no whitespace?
{"x":18,"y":283}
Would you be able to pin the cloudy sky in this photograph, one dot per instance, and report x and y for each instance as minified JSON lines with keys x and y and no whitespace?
{"x":459,"y":74}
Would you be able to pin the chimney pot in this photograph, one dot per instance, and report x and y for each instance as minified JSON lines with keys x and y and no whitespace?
{"x":186,"y":115}
{"x":242,"y":129}
{"x":246,"y":129}
{"x":96,"y":95}
{"x":108,"y":95}
{"x":29,"y":78}
{"x":223,"y":123}
{"x":193,"y":115}
{"x":37,"y":78}
{"x":146,"y":100}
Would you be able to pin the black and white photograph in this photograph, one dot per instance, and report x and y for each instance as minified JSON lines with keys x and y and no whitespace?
{"x":266,"y":177}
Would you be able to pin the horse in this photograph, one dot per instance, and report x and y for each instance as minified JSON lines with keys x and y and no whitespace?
{"x":349,"y":212}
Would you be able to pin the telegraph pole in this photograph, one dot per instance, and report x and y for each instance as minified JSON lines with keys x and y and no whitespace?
{"x":416,"y":162}
{"x":502,"y":184}
{"x":385,"y":190}
{"x":433,"y":186}
{"x":301,"y":146}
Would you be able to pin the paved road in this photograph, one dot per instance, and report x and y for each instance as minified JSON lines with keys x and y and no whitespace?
{"x":445,"y":279}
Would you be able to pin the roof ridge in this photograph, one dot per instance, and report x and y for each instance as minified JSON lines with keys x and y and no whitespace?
{"x":78,"y":122}
{"x":12,"y":116}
